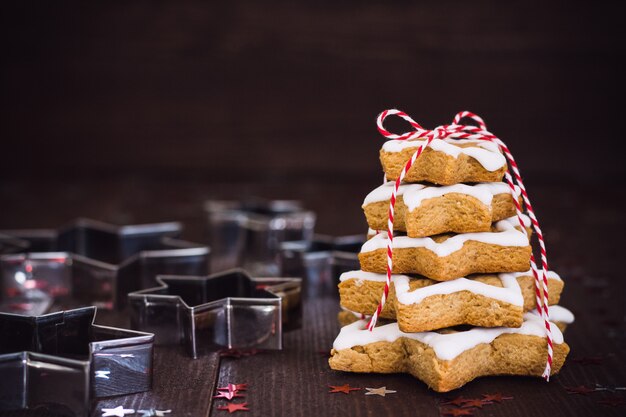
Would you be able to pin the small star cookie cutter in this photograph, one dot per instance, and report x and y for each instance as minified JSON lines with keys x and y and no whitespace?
{"x":321,"y":261}
{"x":62,"y":361}
{"x":247,"y":233}
{"x":91,"y":263}
{"x":225,"y":310}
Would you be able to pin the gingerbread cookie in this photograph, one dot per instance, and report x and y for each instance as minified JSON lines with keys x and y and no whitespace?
{"x":444,"y":162}
{"x":423,"y":210}
{"x":420,"y":304}
{"x":371,"y":233}
{"x":444,"y":257}
{"x":345,"y":317}
{"x":447,"y":360}
{"x":453,"y":230}
{"x":560,"y":316}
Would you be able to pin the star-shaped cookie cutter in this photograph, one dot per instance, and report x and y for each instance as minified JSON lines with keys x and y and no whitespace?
{"x":92,"y":263}
{"x":62,"y":361}
{"x":247,"y":233}
{"x":11,"y":244}
{"x":224,"y":310}
{"x":321,"y":261}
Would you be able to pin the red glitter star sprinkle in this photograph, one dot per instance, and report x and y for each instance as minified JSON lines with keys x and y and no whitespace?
{"x":229,"y":395}
{"x":343,"y":388}
{"x":455,"y":412}
{"x":581,"y":390}
{"x":458,"y":401}
{"x":476,"y":403}
{"x":233,"y":407}
{"x":612,"y":401}
{"x":234,"y":387}
{"x":496,"y":398}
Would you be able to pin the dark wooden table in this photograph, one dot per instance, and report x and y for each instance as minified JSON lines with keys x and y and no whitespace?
{"x":584,"y":224}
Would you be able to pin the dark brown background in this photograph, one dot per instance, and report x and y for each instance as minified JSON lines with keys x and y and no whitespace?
{"x":277,"y":98}
{"x":138,"y":111}
{"x":264,"y":90}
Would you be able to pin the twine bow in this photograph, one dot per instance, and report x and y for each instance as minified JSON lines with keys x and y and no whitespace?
{"x":456,"y":130}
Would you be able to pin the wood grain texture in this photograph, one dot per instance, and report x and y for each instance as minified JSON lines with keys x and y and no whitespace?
{"x":295,"y":382}
{"x":180,"y":384}
{"x":583,"y":225}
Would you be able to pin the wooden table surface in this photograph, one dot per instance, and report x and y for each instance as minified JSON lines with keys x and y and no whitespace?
{"x":584,"y":225}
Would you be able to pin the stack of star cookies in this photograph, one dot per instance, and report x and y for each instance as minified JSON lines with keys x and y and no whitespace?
{"x":462,"y":298}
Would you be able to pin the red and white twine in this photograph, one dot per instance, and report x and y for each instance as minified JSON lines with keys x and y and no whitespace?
{"x":480,"y":132}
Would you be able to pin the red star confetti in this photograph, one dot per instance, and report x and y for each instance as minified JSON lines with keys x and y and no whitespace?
{"x":588,"y":360}
{"x":458,"y":401}
{"x":343,"y":388}
{"x":477,"y":403}
{"x":455,"y":412}
{"x":581,"y":390}
{"x":612,"y":401}
{"x":234,"y":387}
{"x":496,"y":398}
{"x":229,"y":395}
{"x":234,"y":407}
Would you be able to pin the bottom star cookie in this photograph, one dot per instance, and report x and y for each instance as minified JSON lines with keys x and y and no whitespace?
{"x":448,"y":359}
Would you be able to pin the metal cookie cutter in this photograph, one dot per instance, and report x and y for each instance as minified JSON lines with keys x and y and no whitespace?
{"x":224,"y":310}
{"x":248,"y":233}
{"x":92,"y":263}
{"x":321,"y":261}
{"x":11,"y":244}
{"x":62,"y":360}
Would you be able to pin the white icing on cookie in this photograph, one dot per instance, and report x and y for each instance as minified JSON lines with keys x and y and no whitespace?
{"x":507,"y":235}
{"x":557,"y":314}
{"x":373,"y":276}
{"x":367,"y":276}
{"x":414,"y":194}
{"x":511,"y":223}
{"x":486,"y":153}
{"x":496,"y":188}
{"x":384,"y":191}
{"x":510,"y":292}
{"x":354,"y":313}
{"x":446,"y":346}
{"x":549,"y":275}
